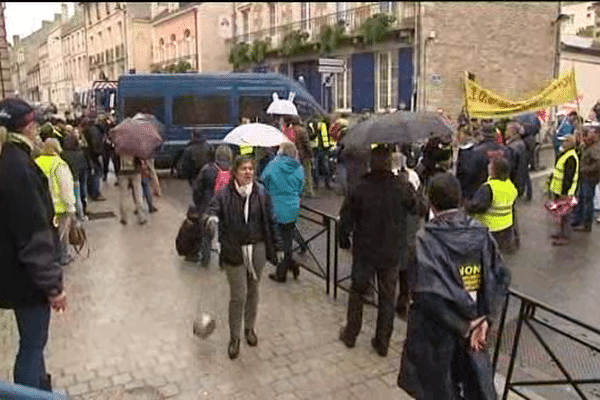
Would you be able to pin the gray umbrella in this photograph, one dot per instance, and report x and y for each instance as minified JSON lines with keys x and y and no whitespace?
{"x":399,"y":127}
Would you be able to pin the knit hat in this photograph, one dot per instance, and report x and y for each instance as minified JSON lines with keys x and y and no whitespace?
{"x":15,"y":114}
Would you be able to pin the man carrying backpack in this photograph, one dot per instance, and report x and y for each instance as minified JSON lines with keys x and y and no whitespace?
{"x":211,"y":178}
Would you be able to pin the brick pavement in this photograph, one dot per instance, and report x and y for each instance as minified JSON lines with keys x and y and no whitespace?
{"x":127,"y":333}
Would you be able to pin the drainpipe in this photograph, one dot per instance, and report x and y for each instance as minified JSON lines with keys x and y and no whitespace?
{"x":416,"y":56}
{"x":126,"y":38}
{"x":196,"y":39}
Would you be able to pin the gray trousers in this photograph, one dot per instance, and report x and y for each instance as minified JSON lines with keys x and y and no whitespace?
{"x":243,"y":300}
{"x":136,"y":182}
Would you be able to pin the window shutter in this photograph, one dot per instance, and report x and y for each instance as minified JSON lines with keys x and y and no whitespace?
{"x":363,"y":82}
{"x":405,"y":76}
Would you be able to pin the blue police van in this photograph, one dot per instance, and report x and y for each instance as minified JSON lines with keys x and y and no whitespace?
{"x":212,"y":102}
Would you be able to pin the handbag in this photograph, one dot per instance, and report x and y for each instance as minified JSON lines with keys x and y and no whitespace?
{"x":77,"y":236}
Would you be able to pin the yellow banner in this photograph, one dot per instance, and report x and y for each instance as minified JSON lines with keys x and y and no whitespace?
{"x":481,"y":103}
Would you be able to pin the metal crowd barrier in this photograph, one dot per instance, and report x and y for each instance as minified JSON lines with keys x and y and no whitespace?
{"x":326,"y":224}
{"x":528,"y":316}
{"x":15,"y":391}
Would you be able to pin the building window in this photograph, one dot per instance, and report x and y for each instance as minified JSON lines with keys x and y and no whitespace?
{"x":304,"y":16}
{"x":386,"y":82}
{"x":272,"y":19}
{"x":245,"y":25}
{"x":342,"y":88}
{"x":187,"y":33}
{"x":173,"y":38}
{"x":107,"y":8}
{"x":97,"y":12}
{"x":161,"y":42}
{"x":133,"y":105}
{"x":387,"y":7}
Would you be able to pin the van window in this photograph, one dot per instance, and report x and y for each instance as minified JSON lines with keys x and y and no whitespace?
{"x":201,"y":110}
{"x":253,"y":107}
{"x":154,"y":105}
{"x":305,"y":109}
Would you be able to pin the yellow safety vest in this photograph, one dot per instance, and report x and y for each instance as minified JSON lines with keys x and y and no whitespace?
{"x":49,"y":165}
{"x":500,"y":214}
{"x":326,"y":139}
{"x":559,"y":173}
{"x":245,"y":150}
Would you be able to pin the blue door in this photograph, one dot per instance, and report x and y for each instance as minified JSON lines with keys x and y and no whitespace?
{"x":312,"y":78}
{"x":363,"y":82}
{"x":405,"y":77}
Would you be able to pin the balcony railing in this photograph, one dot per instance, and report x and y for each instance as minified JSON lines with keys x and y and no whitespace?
{"x":353,"y":19}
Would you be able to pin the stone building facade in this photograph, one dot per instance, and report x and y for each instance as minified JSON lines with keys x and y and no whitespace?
{"x":510,"y":47}
{"x":422,"y":62}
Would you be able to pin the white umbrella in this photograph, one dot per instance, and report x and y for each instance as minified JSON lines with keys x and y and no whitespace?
{"x":282,"y":107}
{"x":258,"y":135}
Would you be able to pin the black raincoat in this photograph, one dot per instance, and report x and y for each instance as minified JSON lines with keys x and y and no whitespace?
{"x":455,"y":252}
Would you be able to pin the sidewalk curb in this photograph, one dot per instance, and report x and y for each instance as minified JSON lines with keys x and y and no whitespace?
{"x":500,"y":381}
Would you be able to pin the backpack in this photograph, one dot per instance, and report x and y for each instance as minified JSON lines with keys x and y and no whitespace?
{"x":189,"y":233}
{"x":222,"y":180}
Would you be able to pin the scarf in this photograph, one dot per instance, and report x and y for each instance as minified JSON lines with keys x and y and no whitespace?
{"x":247,"y":249}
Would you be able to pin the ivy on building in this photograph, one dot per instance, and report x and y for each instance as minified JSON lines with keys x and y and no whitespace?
{"x":376,"y":29}
{"x":239,"y":56}
{"x":331,"y":38}
{"x":294,"y":43}
{"x":258,"y":51}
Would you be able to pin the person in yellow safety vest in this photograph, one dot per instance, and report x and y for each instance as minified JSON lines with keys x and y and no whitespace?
{"x":245,"y":150}
{"x":562,"y":184}
{"x":321,"y":144}
{"x":493,"y":204}
{"x":60,"y":181}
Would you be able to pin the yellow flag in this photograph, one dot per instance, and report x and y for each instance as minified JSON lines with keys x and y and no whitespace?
{"x":482,"y":103}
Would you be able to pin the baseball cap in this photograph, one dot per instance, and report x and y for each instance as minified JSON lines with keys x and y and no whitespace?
{"x":15,"y":114}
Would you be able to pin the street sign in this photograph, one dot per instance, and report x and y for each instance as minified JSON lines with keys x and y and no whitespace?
{"x":328,"y":69}
{"x":332,"y":62}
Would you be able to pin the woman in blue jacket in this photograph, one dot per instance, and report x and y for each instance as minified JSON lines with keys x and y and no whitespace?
{"x":283,"y":178}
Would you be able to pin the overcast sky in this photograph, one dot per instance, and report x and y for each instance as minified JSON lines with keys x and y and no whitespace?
{"x":25,"y":18}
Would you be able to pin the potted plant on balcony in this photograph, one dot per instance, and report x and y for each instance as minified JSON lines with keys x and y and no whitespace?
{"x":331,"y":37}
{"x":376,"y":28}
{"x":238,"y":56}
{"x":258,"y":51}
{"x":294,"y":43}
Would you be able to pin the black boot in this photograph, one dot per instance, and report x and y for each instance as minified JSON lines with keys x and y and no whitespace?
{"x":251,"y":337}
{"x":233,"y":351}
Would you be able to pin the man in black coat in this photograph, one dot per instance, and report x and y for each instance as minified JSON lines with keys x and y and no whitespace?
{"x":94,"y":136}
{"x":194,"y":157}
{"x":30,"y":276}
{"x":487,"y":149}
{"x":375,"y":213}
{"x":461,"y":282}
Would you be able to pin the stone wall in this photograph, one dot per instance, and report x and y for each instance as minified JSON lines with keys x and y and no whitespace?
{"x":509,"y":46}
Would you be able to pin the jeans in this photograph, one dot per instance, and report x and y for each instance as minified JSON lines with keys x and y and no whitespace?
{"x":363,"y":271}
{"x":147,"y":191}
{"x":83,"y":185}
{"x":322,"y":167}
{"x":95,"y":177}
{"x":243,"y":301}
{"x":33,"y":323}
{"x":287,"y":235}
{"x":78,"y":204}
{"x":584,"y":212}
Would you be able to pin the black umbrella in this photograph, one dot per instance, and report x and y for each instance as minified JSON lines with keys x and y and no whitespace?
{"x":399,"y":127}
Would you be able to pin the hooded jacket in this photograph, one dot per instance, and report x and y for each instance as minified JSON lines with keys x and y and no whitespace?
{"x":460,"y":276}
{"x":283,"y":178}
{"x":590,"y":162}
{"x":29,"y":271}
